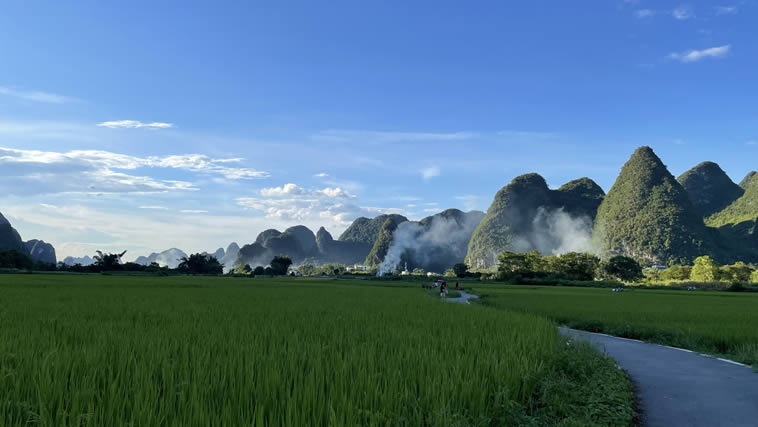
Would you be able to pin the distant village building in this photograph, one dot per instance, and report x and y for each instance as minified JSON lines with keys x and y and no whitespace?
{"x":358,"y":267}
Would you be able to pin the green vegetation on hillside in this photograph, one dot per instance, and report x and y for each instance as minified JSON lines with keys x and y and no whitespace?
{"x":383,"y":242}
{"x":709,"y":188}
{"x":514,"y":210}
{"x":648,"y":215}
{"x":713,"y":322}
{"x":741,"y":210}
{"x":366,"y":230}
{"x":746,"y":180}
{"x":107,"y":350}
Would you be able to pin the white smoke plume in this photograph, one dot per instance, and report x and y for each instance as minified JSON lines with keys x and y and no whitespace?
{"x":555,"y":232}
{"x":436,"y":246}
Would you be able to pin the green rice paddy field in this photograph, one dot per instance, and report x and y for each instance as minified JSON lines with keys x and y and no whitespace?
{"x":719,"y":323}
{"x":115,"y":350}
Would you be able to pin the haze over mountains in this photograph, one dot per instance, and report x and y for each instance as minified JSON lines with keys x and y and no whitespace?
{"x":647,"y":214}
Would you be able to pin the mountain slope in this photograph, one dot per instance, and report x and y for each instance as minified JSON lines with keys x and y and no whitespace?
{"x":709,"y":188}
{"x":649,"y":216}
{"x":746,"y":180}
{"x":40,"y":251}
{"x":383,"y":241}
{"x":84,"y":261}
{"x":169,"y":258}
{"x":527,"y":215}
{"x":364,"y":230}
{"x":737,"y":225}
{"x":10,"y":240}
{"x":332,"y":251}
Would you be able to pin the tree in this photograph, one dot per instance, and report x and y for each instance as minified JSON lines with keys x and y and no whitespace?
{"x":280,"y":264}
{"x":754,"y":277}
{"x":535,"y":262}
{"x":577,"y":265}
{"x":268,"y":271}
{"x":108,"y":261}
{"x":200,"y":264}
{"x":419,"y":271}
{"x":512,"y":262}
{"x":15,"y":259}
{"x":705,"y":270}
{"x":259,"y":271}
{"x":243,"y":270}
{"x":460,"y":269}
{"x":677,"y":272}
{"x":738,"y":271}
{"x":306,"y":269}
{"x":623,"y":268}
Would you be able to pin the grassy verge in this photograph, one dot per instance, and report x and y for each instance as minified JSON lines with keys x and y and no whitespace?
{"x":718,"y":323}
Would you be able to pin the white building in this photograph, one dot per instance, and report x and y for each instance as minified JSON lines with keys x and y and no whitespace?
{"x":358,"y":267}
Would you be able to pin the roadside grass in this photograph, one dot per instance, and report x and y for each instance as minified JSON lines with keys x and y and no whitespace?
{"x":114,"y":350}
{"x":717,"y":323}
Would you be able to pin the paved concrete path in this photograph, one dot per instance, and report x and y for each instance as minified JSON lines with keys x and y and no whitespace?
{"x":463,"y":299}
{"x":678,"y":387}
{"x":681,"y":388}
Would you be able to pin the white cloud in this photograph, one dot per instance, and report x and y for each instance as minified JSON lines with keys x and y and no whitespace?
{"x":36,"y":96}
{"x":91,"y":171}
{"x":157,"y":208}
{"x":430,"y":172}
{"x":311,"y":210}
{"x":296,"y":190}
{"x":336,"y":193}
{"x":321,"y":175}
{"x":726,"y":10}
{"x":193,"y":211}
{"x":683,"y":12}
{"x":285,"y":190}
{"x":134,"y":124}
{"x":470,"y":201}
{"x":697,"y":55}
{"x":644,"y":13}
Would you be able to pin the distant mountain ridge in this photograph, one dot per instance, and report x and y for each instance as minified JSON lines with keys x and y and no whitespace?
{"x":709,"y":188}
{"x":169,"y":258}
{"x":647,"y":214}
{"x":37,"y":250}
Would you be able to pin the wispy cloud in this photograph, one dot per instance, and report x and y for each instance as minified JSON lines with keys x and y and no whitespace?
{"x":92,"y":171}
{"x":726,"y":10}
{"x":36,"y":96}
{"x":430,"y":172}
{"x":644,"y":13}
{"x":752,"y":142}
{"x":158,"y":208}
{"x":678,"y":141}
{"x":285,"y":190}
{"x":134,"y":124}
{"x":193,"y":211}
{"x":295,"y":190}
{"x":698,"y":55}
{"x":683,"y":12}
{"x":372,"y":136}
{"x":321,"y":175}
{"x":470,"y":201}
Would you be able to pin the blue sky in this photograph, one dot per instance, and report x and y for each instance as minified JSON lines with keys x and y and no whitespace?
{"x":152,"y":125}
